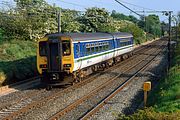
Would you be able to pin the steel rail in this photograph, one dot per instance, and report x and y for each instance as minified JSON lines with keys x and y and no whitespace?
{"x":38,"y":103}
{"x":117,"y":90}
{"x":19,"y":85}
{"x":79,"y":101}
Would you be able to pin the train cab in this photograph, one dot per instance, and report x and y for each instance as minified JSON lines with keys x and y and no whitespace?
{"x":54,"y":58}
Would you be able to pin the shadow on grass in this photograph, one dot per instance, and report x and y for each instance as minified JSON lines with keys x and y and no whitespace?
{"x":18,"y":70}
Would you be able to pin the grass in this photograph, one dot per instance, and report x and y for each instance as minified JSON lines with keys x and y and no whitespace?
{"x":151,"y":114}
{"x":15,"y":50}
{"x":17,"y":61}
{"x":167,"y":95}
{"x":164,"y":101}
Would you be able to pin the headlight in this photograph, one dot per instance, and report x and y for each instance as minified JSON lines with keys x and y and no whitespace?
{"x":43,"y":66}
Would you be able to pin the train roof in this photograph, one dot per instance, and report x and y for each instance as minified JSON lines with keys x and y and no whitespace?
{"x":92,"y":36}
{"x":121,"y":34}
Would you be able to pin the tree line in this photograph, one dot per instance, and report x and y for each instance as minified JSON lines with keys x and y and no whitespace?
{"x":32,"y":19}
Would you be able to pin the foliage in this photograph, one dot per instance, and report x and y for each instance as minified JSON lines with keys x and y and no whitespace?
{"x":94,"y":19}
{"x":32,"y":19}
{"x":69,"y":22}
{"x":1,"y":35}
{"x":29,"y":20}
{"x":178,"y":19}
{"x":17,"y":61}
{"x":167,"y":95}
{"x":153,"y":25}
{"x":136,"y":31}
{"x":120,"y":16}
{"x":150,"y":114}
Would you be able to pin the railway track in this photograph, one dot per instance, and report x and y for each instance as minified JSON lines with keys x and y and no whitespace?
{"x":30,"y":105}
{"x":22,"y":85}
{"x":86,"y":98}
{"x":23,"y":105}
{"x":113,"y":93}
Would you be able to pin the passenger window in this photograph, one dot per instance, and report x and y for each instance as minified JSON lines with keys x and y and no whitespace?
{"x":42,"y":48}
{"x":66,"y":49}
{"x":88,"y":51}
{"x":104,"y":47}
{"x":100,"y":48}
{"x":107,"y":47}
{"x":92,"y":50}
{"x":96,"y":49}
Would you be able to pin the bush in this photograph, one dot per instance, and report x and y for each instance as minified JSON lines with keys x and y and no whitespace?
{"x":150,"y":114}
{"x":1,"y":35}
{"x":15,"y":50}
{"x":136,"y":31}
{"x":17,"y":61}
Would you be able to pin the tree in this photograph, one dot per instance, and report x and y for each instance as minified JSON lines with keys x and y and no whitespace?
{"x":40,"y":17}
{"x":153,"y":25}
{"x":133,"y":19}
{"x":69,"y":21}
{"x":137,"y":32}
{"x":1,"y":35}
{"x":119,"y":16}
{"x":96,"y":19}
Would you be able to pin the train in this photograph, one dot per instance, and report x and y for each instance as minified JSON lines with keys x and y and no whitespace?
{"x":78,"y":55}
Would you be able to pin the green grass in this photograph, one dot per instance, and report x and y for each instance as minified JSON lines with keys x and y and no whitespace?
{"x":15,"y":50}
{"x":17,"y":61}
{"x":151,"y":114}
{"x":167,"y":95}
{"x":164,"y":100}
{"x":1,"y":35}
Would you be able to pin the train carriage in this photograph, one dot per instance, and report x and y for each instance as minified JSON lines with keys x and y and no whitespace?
{"x":79,"y":54}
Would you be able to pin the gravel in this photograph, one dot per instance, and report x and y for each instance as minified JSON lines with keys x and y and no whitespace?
{"x":128,"y":100}
{"x":54,"y":106}
{"x":88,"y":104}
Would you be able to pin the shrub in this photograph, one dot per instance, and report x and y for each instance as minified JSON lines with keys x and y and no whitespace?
{"x":136,"y":31}
{"x":1,"y":35}
{"x":17,"y":61}
{"x":150,"y":114}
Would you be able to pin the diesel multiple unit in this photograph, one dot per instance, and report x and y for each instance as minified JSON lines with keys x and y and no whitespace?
{"x":80,"y":54}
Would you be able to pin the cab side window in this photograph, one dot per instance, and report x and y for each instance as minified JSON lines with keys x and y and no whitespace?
{"x":42,"y":48}
{"x":66,"y":49}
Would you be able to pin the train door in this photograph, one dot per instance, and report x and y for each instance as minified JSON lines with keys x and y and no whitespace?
{"x":54,"y":56}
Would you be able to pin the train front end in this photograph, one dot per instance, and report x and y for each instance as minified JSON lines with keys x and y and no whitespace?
{"x":54,"y":59}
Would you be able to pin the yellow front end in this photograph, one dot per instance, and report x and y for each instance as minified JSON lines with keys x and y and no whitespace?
{"x":67,"y":63}
{"x":68,"y":60}
{"x":41,"y":60}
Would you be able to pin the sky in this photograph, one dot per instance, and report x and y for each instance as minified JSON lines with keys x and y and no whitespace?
{"x":81,"y":5}
{"x":162,"y":5}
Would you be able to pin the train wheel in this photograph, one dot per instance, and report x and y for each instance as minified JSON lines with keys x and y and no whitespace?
{"x":80,"y":79}
{"x":49,"y":87}
{"x":72,"y":83}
